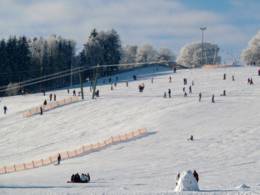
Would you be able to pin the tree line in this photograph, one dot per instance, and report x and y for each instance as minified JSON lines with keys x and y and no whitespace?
{"x":23,"y":58}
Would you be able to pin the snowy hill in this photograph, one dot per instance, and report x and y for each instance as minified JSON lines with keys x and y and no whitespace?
{"x":225,"y":150}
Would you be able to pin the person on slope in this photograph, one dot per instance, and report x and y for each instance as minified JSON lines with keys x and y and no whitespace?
{"x":224,"y":76}
{"x":170,"y":79}
{"x":213,"y":99}
{"x":190,"y":89}
{"x":200,"y":95}
{"x":50,"y":96}
{"x":196,"y":175}
{"x":58,"y":159}
{"x":169,"y":93}
{"x":5,"y":109}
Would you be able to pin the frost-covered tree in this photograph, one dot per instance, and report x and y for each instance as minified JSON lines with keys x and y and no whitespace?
{"x":166,"y":54}
{"x":129,"y":53}
{"x":191,"y":54}
{"x":251,"y":55}
{"x":146,"y":53}
{"x":103,"y":48}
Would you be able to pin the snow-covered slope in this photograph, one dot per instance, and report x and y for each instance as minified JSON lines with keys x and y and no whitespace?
{"x":225,"y":150}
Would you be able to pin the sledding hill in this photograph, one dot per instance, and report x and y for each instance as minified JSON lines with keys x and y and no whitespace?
{"x":225,"y":150}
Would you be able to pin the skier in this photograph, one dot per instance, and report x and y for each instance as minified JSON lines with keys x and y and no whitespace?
{"x":213,"y":99}
{"x":224,"y":93}
{"x":233,"y":78}
{"x":54,"y":97}
{"x":5,"y":109}
{"x":169,"y":93}
{"x":68,"y":91}
{"x":170,"y":79}
{"x":190,"y":89}
{"x":58,"y":159}
{"x":200,"y":95}
{"x":224,"y":76}
{"x":45,"y":102}
{"x":152,"y":80}
{"x":196,"y":175}
{"x":185,"y":94}
{"x":174,"y":70}
{"x":183,"y":89}
{"x":111,"y":88}
{"x":74,"y":92}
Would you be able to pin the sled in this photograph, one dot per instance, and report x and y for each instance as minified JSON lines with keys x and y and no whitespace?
{"x":78,"y":182}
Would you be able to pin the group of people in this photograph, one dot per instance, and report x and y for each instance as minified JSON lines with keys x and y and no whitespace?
{"x":83,"y":178}
{"x":54,"y":97}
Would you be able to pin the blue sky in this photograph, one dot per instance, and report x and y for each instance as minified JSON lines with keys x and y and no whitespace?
{"x":162,"y":23}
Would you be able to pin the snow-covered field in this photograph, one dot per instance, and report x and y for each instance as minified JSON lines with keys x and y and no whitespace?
{"x":225,"y":152}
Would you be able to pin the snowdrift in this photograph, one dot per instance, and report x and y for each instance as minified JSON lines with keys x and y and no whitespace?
{"x":187,"y":182}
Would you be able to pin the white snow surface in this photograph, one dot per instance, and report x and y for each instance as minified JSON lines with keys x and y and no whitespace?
{"x":225,"y":151}
{"x":186,"y":182}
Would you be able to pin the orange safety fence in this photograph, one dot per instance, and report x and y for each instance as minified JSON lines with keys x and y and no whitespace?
{"x":83,"y":150}
{"x":50,"y":106}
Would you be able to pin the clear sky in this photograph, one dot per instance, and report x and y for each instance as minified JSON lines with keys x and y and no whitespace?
{"x":162,"y":23}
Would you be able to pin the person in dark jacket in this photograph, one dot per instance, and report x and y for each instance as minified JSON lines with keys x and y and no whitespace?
{"x":196,"y":175}
{"x":59,"y":158}
{"x":213,"y":99}
{"x":41,"y":111}
{"x":200,"y":95}
{"x":5,"y":109}
{"x":77,"y":178}
{"x":169,"y":93}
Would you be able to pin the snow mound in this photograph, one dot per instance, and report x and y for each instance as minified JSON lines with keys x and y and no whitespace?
{"x":187,"y":182}
{"x":243,"y":186}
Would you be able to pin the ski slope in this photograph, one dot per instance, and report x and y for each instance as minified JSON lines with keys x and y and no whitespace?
{"x":225,"y":151}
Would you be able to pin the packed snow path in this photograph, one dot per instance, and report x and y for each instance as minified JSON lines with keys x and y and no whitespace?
{"x":225,"y":150}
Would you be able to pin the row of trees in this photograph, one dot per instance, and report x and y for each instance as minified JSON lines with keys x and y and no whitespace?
{"x":23,"y":58}
{"x":251,"y":55}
